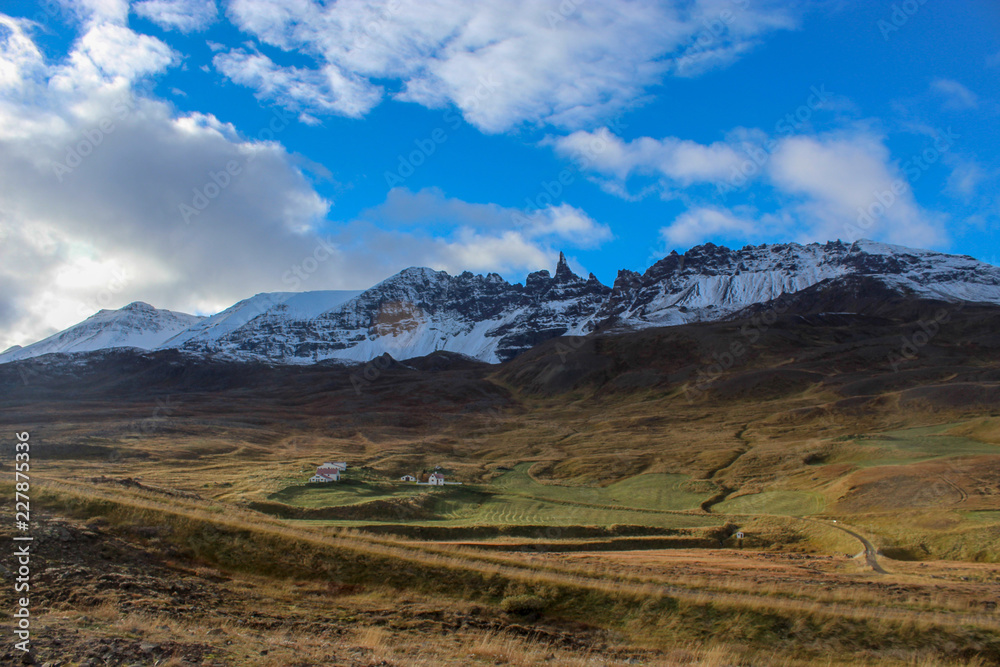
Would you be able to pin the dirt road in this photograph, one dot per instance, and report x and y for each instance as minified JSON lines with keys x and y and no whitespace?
{"x":871,"y":553}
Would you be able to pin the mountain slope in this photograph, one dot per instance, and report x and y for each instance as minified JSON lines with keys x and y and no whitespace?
{"x":136,"y":325}
{"x":419,"y":310}
{"x":710,"y":282}
{"x":303,"y":305}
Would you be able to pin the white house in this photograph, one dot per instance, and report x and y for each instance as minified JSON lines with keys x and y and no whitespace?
{"x":433,"y":479}
{"x":329,"y":472}
{"x":331,"y":468}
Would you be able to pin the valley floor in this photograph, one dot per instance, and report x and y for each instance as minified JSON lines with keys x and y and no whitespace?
{"x":809,"y":508}
{"x":126,"y":575}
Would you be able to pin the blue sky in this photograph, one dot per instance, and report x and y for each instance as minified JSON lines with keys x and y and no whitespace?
{"x":190,"y":153}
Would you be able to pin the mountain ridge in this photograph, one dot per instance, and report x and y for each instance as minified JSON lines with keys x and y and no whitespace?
{"x":419,"y":310}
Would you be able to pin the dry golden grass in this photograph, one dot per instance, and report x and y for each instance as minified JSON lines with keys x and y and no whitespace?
{"x":374,"y":644}
{"x":821,"y":602}
{"x":674,"y":607}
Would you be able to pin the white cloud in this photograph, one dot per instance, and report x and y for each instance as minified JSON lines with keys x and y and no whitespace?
{"x":119,"y":206}
{"x":568,"y":224}
{"x":847,"y":185}
{"x":699,"y":224}
{"x":20,"y":59}
{"x":430,"y":208}
{"x":837,"y":185}
{"x":680,"y":161}
{"x":183,"y":15}
{"x":92,"y":177}
{"x":502,"y":239}
{"x":727,"y":30}
{"x":965,"y":178}
{"x":110,"y":196}
{"x":91,"y":12}
{"x":305,"y":91}
{"x":111,"y":53}
{"x":476,"y":251}
{"x":561,"y":62}
{"x":956,"y":96}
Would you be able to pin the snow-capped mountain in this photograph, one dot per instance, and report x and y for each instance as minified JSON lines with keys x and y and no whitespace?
{"x":710,"y":282}
{"x":136,"y":325}
{"x":298,"y":305}
{"x":419,"y":310}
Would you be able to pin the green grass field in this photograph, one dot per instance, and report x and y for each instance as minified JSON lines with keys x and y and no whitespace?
{"x":516,"y":499}
{"x":785,"y":503}
{"x":346,"y":492}
{"x":498,"y":509}
{"x":646,"y":492}
{"x":917,"y":444}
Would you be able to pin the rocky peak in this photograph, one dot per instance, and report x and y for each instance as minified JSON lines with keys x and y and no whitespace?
{"x":138,"y":307}
{"x":420,"y":310}
{"x":537,"y":281}
{"x":564,"y":274}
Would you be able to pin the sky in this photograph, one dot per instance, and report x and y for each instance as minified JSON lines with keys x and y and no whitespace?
{"x":192,"y":153}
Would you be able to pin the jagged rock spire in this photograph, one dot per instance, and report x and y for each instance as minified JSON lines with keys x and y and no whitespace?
{"x":563,"y":272}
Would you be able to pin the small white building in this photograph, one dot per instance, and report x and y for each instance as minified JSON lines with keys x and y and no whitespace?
{"x":329,"y":472}
{"x":435,"y":479}
{"x":408,"y":478}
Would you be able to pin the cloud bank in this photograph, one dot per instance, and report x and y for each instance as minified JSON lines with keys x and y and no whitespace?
{"x":110,"y":195}
{"x":502,"y":64}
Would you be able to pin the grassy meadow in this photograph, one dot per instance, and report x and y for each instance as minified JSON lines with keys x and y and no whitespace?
{"x":585,"y":527}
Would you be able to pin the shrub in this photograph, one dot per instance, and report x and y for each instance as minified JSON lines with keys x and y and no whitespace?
{"x":523,"y":605}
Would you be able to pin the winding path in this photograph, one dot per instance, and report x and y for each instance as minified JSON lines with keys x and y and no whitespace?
{"x":871,"y":553}
{"x":963,"y":496}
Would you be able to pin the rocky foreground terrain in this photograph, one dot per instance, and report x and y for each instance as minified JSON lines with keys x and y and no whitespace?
{"x":103,"y":597}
